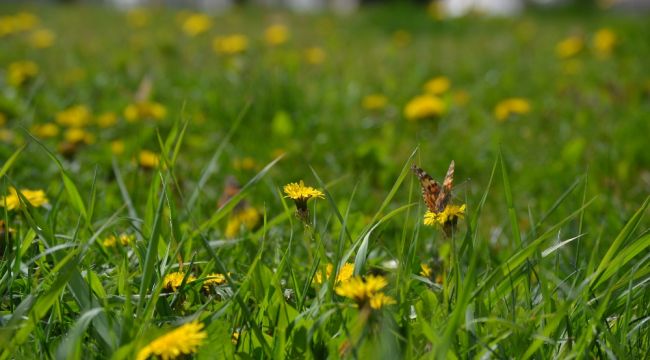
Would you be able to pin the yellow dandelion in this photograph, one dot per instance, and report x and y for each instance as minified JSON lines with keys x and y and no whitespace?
{"x":374,"y":102}
{"x":117,"y":147}
{"x":276,"y":35}
{"x":448,"y":216}
{"x":379,"y":300}
{"x":126,"y":239}
{"x":604,"y":41}
{"x":45,"y":131}
{"x":315,"y":55}
{"x":173,"y":281}
{"x":365,"y":291}
{"x":21,"y":71}
{"x":78,"y":136}
{"x":107,"y":120}
{"x":145,"y":110}
{"x":344,"y":273}
{"x":298,"y":191}
{"x":424,"y":106}
{"x":110,"y":241}
{"x":214,"y":279}
{"x":184,"y":340}
{"x":42,"y":38}
{"x":511,"y":106}
{"x":247,"y":218}
{"x":230,"y":44}
{"x":148,"y":159}
{"x":196,"y":24}
{"x":425,"y":270}
{"x":35,"y":198}
{"x":74,"y":116}
{"x":437,"y":86}
{"x":569,"y":47}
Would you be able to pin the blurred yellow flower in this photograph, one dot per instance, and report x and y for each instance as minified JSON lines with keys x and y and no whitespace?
{"x":366,"y":290}
{"x":148,"y":159}
{"x":344,"y":273}
{"x":177,"y":343}
{"x":511,"y":106}
{"x":214,"y":279}
{"x":21,"y":71}
{"x":437,"y":86}
{"x":196,"y":24}
{"x":374,"y":102}
{"x":74,"y":116}
{"x":45,"y":131}
{"x":117,"y":147}
{"x":247,"y":163}
{"x":78,"y":136}
{"x":315,"y":55}
{"x":247,"y":217}
{"x":569,"y":47}
{"x":604,"y":41}
{"x":107,"y":120}
{"x":145,"y":110}
{"x":36,"y":198}
{"x":449,"y":215}
{"x":6,"y":135}
{"x":23,"y":21}
{"x":425,"y":270}
{"x":230,"y":44}
{"x":42,"y":38}
{"x":276,"y":34}
{"x":424,"y":106}
{"x":173,"y":281}
{"x":124,"y":240}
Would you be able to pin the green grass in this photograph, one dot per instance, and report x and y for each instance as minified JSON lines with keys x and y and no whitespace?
{"x":551,"y":260}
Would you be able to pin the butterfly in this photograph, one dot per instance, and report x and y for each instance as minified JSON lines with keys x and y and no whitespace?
{"x":435,"y":196}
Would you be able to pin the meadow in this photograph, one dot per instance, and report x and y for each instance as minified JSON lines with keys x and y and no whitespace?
{"x":175,"y":184}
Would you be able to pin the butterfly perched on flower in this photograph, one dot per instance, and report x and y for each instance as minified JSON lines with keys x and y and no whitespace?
{"x":436,"y":197}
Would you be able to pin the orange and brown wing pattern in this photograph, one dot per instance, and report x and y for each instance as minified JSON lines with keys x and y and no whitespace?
{"x":445,"y":195}
{"x":430,"y":188}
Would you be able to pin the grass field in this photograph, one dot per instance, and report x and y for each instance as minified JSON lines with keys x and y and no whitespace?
{"x":145,"y":158}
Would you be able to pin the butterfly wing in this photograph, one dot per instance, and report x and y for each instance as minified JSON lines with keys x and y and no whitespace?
{"x":445,"y":194}
{"x":430,"y":188}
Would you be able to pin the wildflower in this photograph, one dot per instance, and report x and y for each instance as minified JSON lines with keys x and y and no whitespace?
{"x":300,"y":194}
{"x":117,"y":147}
{"x":446,"y":219}
{"x":213,"y":279}
{"x":173,"y":281}
{"x":21,"y":71}
{"x":366,"y":291}
{"x":345,"y":272}
{"x":42,"y":38}
{"x":604,"y":41}
{"x":196,"y":24}
{"x":235,"y":337}
{"x":424,"y":106}
{"x":230,"y":44}
{"x":107,"y":120}
{"x":569,"y":47}
{"x":78,"y":136}
{"x":374,"y":102}
{"x":248,"y":217}
{"x":437,"y":86}
{"x":315,"y":55}
{"x":74,"y":116}
{"x":145,"y":110}
{"x":510,"y":106}
{"x":110,"y":241}
{"x":184,"y":340}
{"x":35,"y":198}
{"x":276,"y":35}
{"x":124,"y":240}
{"x":45,"y":131}
{"x":428,"y":272}
{"x":148,"y":159}
{"x":247,"y":163}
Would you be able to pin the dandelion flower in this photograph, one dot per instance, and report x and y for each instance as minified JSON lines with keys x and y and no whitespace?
{"x":345,"y":272}
{"x":184,"y":340}
{"x":248,"y":217}
{"x":45,"y":131}
{"x":276,"y":35}
{"x":424,"y":106}
{"x":148,"y":159}
{"x":300,"y":194}
{"x":36,"y":198}
{"x":366,"y":291}
{"x":74,"y":116}
{"x":604,"y":41}
{"x":42,"y":38}
{"x":569,"y":47}
{"x":145,"y":110}
{"x":446,"y":218}
{"x":107,"y":120}
{"x":230,"y":44}
{"x":174,"y":280}
{"x":508,"y":107}
{"x":437,"y":86}
{"x":315,"y":55}
{"x":21,"y":71}
{"x":425,"y":270}
{"x":196,"y":24}
{"x":213,"y":279}
{"x":374,"y":102}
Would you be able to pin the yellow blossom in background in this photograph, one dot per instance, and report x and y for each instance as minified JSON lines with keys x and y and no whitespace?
{"x":45,"y":131}
{"x":315,"y":55}
{"x":107,"y":120}
{"x":196,"y":24}
{"x":137,"y":18}
{"x":145,"y":110}
{"x":117,"y":147}
{"x":78,"y":136}
{"x":424,"y":106}
{"x":110,"y":241}
{"x":230,"y":44}
{"x":247,"y":163}
{"x":569,"y":47}
{"x":42,"y":38}
{"x":437,"y":86}
{"x":173,"y":281}
{"x":365,"y":291}
{"x":148,"y":159}
{"x":247,"y":217}
{"x":6,"y":135}
{"x":511,"y":106}
{"x":21,"y":71}
{"x":214,"y":279}
{"x":183,"y":341}
{"x":20,"y":22}
{"x":74,"y":116}
{"x":374,"y":102}
{"x":36,"y":198}
{"x":126,"y":239}
{"x":449,"y":215}
{"x":276,"y":34}
{"x":402,"y":38}
{"x":344,"y":274}
{"x":604,"y":41}
{"x":426,"y":270}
